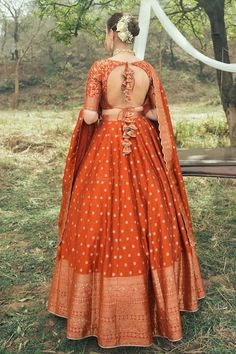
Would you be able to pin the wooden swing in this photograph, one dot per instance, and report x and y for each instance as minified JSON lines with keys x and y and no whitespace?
{"x":212,"y":162}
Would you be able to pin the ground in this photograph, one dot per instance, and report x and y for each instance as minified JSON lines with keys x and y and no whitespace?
{"x":34,"y":147}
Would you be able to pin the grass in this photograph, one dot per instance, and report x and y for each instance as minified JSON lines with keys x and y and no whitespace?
{"x":34,"y":147}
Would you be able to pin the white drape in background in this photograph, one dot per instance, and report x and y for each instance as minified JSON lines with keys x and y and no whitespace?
{"x":174,"y":33}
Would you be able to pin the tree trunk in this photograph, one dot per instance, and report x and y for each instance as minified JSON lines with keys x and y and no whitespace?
{"x":227,"y":88}
{"x":172,"y":55}
{"x":231,"y":114}
{"x":201,"y":66}
{"x":15,"y":98}
{"x":160,"y":54}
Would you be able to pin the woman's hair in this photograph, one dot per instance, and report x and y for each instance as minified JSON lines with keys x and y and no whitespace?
{"x":133,"y":25}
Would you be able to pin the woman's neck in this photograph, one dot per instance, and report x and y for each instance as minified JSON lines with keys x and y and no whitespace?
{"x":123,"y":52}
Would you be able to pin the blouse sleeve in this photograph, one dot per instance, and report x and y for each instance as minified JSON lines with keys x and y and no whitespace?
{"x":92,"y":94}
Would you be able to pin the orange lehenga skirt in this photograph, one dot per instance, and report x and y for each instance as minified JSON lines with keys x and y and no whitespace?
{"x":126,"y":266}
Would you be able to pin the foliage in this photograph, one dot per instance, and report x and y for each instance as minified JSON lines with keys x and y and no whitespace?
{"x":88,"y":15}
{"x":8,"y":86}
{"x":230,"y":19}
{"x":85,"y":15}
{"x":210,"y":132}
{"x":190,"y":18}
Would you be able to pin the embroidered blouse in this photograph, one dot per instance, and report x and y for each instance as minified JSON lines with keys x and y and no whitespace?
{"x":97,"y":81}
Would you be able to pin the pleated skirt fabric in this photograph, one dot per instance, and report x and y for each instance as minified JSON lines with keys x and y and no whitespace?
{"x":126,"y":266}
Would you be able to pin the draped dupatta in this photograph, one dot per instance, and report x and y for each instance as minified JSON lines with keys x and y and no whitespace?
{"x":83,"y":134}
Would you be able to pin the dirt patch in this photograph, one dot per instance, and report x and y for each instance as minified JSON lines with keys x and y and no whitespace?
{"x":42,"y":289}
{"x":19,"y":143}
{"x":21,"y":304}
{"x":27,"y":299}
{"x":17,"y":289}
{"x":221,"y":278}
{"x":19,"y":244}
{"x":15,"y":241}
{"x":10,"y":292}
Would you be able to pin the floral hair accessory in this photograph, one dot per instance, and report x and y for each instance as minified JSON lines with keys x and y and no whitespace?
{"x":123,"y":30}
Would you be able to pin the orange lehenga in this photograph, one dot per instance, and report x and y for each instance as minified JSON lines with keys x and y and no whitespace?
{"x":126,"y":263}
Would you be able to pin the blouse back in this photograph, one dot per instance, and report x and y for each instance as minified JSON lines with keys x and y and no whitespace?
{"x":114,"y":83}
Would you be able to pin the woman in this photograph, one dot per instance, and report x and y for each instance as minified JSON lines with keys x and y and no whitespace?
{"x":126,"y":263}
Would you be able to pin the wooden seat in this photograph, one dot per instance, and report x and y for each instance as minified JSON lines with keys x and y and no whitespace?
{"x":214,"y":162}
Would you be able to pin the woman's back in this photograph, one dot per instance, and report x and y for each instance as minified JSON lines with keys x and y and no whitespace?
{"x":130,"y":89}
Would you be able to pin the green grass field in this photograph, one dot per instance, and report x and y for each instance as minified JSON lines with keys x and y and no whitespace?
{"x":33,"y":151}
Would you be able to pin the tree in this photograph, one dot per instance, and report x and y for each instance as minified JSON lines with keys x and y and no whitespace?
{"x":80,"y":15}
{"x":15,"y":12}
{"x":193,"y":11}
{"x":227,"y":87}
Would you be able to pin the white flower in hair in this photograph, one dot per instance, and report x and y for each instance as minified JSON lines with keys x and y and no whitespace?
{"x":121,"y":26}
{"x":123,"y":36}
{"x":123,"y":30}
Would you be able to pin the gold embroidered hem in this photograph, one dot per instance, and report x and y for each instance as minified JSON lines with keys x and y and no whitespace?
{"x":126,"y":310}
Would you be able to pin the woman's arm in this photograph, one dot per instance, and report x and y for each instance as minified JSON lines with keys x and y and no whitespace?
{"x":92,"y":94}
{"x":152,"y":114}
{"x":90,"y":116}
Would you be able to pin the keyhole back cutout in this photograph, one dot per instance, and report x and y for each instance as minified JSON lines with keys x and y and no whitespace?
{"x":127,"y":85}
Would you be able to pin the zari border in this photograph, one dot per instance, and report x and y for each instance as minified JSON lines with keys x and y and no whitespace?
{"x":126,"y":310}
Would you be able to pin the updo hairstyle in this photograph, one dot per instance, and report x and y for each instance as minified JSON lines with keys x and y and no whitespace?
{"x":133,"y":25}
